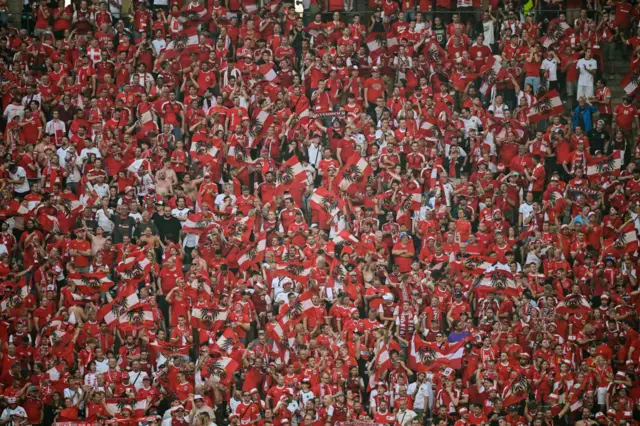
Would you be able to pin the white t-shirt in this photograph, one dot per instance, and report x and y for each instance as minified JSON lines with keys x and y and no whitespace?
{"x":472,"y":122}
{"x":526,"y":210}
{"x":8,"y":412}
{"x":586,"y":78}
{"x":104,"y":220}
{"x":23,"y":187}
{"x":488,"y":31}
{"x":180,"y":212}
{"x":424,"y":391}
{"x":498,"y":110}
{"x":220,"y":199}
{"x":552,"y":66}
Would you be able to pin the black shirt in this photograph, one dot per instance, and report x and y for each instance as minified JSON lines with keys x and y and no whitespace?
{"x":597,"y":139}
{"x":122,"y":227}
{"x":169,"y":227}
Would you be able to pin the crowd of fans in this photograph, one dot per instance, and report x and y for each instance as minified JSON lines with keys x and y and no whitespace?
{"x":228,"y":212}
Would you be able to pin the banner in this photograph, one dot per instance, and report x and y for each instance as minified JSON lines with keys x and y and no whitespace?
{"x":329,"y":114}
{"x":358,"y":424}
{"x":78,"y":423}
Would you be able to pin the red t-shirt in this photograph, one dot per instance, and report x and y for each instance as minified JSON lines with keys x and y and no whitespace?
{"x":625,"y":116}
{"x":375,"y":88}
{"x":79,"y":260}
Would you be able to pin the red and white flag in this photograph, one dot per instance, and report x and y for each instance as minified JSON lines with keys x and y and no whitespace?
{"x":326,"y":201}
{"x":556,"y":32}
{"x":475,"y":265}
{"x":225,"y":343}
{"x":297,"y":271}
{"x":515,"y":391}
{"x":138,"y":407}
{"x":137,"y":318}
{"x":292,"y":171}
{"x":574,"y":304}
{"x":268,"y":73}
{"x":197,"y":285}
{"x":498,"y":281}
{"x":491,"y":76}
{"x":374,"y":43}
{"x":186,"y":41}
{"x":254,"y":253}
{"x":193,"y":15}
{"x":168,"y":349}
{"x":354,"y":174}
{"x":111,"y":312}
{"x":274,"y":331}
{"x":198,"y":223}
{"x":346,"y":239}
{"x":223,"y":368}
{"x":201,"y":144}
{"x":547,"y":106}
{"x":209,"y":319}
{"x":630,"y":82}
{"x":134,"y":267}
{"x":626,"y":240}
{"x":427,"y":356}
{"x":609,"y":164}
{"x":88,"y":284}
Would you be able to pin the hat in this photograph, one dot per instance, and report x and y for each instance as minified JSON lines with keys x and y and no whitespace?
{"x":253,"y":391}
{"x":354,"y":68}
{"x":500,"y":167}
{"x":11,"y":400}
{"x":375,"y":69}
{"x":128,"y":189}
{"x":524,"y":355}
{"x":553,"y":397}
{"x":197,"y":397}
{"x":463,"y":410}
{"x":388,"y":297}
{"x":600,"y":415}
